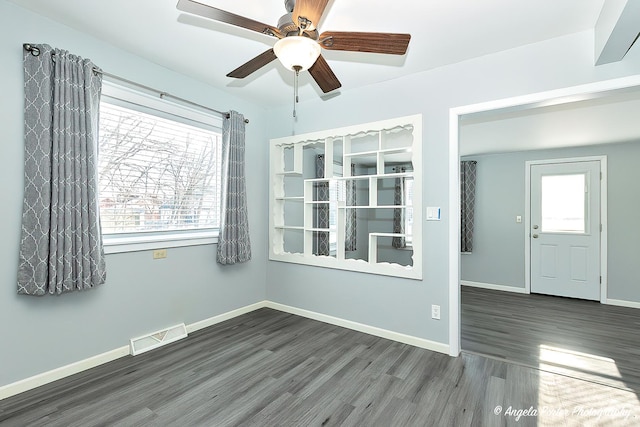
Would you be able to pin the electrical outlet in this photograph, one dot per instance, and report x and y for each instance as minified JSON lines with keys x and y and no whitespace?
{"x":435,"y":312}
{"x":159,"y":253}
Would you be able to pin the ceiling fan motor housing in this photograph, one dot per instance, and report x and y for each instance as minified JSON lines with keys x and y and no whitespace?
{"x":286,"y":25}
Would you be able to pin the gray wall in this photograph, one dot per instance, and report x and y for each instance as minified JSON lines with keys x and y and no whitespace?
{"x":498,"y":255}
{"x":141,"y":295}
{"x":497,"y":239}
{"x":403,"y":305}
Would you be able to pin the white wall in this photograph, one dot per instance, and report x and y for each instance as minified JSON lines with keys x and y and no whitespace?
{"x":140,"y":295}
{"x":403,"y":305}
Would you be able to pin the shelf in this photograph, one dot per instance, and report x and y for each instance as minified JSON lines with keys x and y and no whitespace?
{"x":376,"y":207}
{"x":349,"y":178}
{"x":384,"y":151}
{"x":292,"y":198}
{"x":389,"y":234}
{"x":319,"y":179}
{"x":289,"y":173}
{"x":362,"y":153}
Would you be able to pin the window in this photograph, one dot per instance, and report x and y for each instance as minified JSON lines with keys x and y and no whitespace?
{"x":159,"y":173}
{"x":563,"y":203}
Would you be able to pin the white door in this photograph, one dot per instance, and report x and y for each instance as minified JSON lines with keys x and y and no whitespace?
{"x":565,"y":229}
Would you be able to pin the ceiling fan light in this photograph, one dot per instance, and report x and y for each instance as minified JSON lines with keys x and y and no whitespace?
{"x":297,"y":51}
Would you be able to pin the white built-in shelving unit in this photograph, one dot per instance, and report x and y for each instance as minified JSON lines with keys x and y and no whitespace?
{"x":374,"y":148}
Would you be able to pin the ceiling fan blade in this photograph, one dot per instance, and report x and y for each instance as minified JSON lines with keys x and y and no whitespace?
{"x":254,"y":65}
{"x":210,"y":12}
{"x":389,"y":43}
{"x":311,"y":10}
{"x":323,"y":75}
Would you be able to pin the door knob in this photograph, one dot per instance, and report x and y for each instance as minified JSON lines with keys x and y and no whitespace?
{"x":535,"y":227}
{"x":535,"y":236}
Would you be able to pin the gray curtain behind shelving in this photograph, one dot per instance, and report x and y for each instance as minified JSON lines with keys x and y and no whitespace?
{"x":350,"y":221}
{"x":321,"y":242}
{"x":234,"y":245}
{"x":399,"y":242}
{"x":467,"y":203}
{"x":61,"y":244}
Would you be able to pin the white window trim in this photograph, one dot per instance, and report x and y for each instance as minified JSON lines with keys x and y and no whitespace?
{"x":134,"y":242}
{"x":114,"y":243}
{"x":146,"y":103}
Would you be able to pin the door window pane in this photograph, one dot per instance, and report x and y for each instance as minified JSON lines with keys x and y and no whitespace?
{"x":563,"y":203}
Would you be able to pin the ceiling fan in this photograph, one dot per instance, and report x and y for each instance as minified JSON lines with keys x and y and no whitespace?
{"x":299,"y":45}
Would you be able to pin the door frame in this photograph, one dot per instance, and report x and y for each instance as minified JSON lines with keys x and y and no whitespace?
{"x":551,"y":97}
{"x":603,"y":217}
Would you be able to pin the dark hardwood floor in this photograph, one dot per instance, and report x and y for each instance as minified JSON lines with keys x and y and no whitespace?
{"x":268,"y":368}
{"x":583,"y":339}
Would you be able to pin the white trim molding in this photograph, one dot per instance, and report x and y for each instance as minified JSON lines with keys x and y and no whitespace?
{"x":225,"y":316}
{"x":455,"y":223}
{"x":505,"y":288}
{"x":622,"y":303}
{"x":361,"y":327}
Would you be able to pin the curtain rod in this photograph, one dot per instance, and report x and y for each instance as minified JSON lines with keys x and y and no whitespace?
{"x":162,"y":94}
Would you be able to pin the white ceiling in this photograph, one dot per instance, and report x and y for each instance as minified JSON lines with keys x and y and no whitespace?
{"x":443,"y":32}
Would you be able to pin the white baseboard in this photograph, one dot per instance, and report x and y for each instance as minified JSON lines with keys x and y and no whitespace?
{"x":91,"y":362}
{"x":225,"y":316}
{"x":494,"y":287}
{"x":623,"y":303}
{"x":361,"y":327}
{"x":62,"y":372}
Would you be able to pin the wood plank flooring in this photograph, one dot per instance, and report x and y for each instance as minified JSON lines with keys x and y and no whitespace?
{"x":584,"y":339}
{"x":269,"y":368}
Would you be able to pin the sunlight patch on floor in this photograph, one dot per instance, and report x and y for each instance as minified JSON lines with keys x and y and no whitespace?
{"x":564,"y":400}
{"x":551,"y":357}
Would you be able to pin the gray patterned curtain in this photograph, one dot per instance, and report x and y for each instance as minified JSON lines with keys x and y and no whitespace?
{"x":350,"y":222}
{"x":234,"y":245}
{"x":467,"y":203}
{"x":321,"y":243}
{"x":61,"y":244}
{"x":399,"y":214}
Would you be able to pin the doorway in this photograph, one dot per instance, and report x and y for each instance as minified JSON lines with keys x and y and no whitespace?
{"x":488,"y":109}
{"x":565,"y":227}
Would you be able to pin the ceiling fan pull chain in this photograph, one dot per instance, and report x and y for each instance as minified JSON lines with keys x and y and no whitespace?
{"x":296,"y":76}
{"x":297,"y":85}
{"x":295,"y":94}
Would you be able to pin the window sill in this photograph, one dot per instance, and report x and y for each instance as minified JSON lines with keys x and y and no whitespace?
{"x":118,"y":244}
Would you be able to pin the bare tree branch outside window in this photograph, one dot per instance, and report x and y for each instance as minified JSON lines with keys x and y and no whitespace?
{"x":156,"y":174}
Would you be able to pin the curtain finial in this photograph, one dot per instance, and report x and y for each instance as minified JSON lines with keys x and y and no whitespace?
{"x":32,"y":49}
